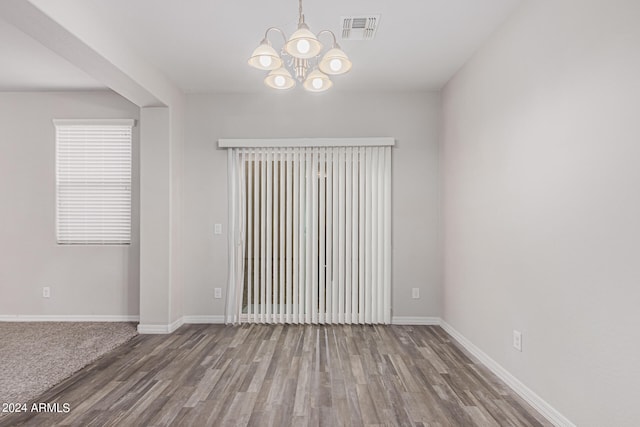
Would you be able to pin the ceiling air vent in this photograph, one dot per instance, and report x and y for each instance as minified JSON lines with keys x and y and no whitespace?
{"x":361,"y":27}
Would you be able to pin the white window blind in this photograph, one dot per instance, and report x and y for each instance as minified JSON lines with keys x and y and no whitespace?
{"x":93,"y":181}
{"x":311,"y":234}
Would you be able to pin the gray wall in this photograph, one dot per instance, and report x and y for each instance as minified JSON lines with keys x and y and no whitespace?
{"x":84,"y":280}
{"x":412,"y":118}
{"x":542,"y":204}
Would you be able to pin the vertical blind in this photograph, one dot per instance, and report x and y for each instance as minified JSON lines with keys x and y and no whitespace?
{"x":311,"y":234}
{"x":93,"y":181}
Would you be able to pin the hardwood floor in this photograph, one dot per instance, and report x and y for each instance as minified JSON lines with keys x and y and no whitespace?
{"x":286,"y":375}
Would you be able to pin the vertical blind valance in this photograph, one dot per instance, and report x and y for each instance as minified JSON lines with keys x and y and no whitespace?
{"x":310,"y":234}
{"x":307,"y":142}
{"x":93,"y":181}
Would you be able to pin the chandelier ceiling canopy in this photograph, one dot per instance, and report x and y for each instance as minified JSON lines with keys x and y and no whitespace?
{"x":300,"y":57}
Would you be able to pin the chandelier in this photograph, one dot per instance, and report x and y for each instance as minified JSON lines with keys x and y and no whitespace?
{"x":300,"y":56}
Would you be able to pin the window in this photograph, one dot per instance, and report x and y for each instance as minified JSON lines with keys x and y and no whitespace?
{"x":93,"y":182}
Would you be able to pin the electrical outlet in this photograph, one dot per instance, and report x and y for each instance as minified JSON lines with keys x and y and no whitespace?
{"x":517,"y":340}
{"x":217,"y":229}
{"x":217,"y":293}
{"x":415,"y":293}
{"x":46,"y":292}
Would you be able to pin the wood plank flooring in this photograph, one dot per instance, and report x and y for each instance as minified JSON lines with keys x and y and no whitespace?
{"x":286,"y":375}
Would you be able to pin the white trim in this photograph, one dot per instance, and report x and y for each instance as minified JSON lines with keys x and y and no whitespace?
{"x":544,"y":408}
{"x":68,"y":318}
{"x":306,"y":142}
{"x":185,"y":320}
{"x":153,"y":329}
{"x":395,"y":320}
{"x":160,"y":328}
{"x":415,"y":320}
{"x":216,"y":320}
{"x":94,"y":122}
{"x":175,"y":325}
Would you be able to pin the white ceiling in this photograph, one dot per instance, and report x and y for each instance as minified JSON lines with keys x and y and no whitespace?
{"x":203,"y":45}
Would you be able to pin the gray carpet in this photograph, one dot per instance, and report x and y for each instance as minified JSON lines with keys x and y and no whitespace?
{"x":36,"y":356}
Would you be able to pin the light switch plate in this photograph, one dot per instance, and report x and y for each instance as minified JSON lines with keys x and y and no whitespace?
{"x":217,"y":229}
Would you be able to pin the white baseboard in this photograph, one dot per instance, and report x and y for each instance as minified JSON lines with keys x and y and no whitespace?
{"x":175,"y":325}
{"x":151,"y":328}
{"x":548,"y":411}
{"x":216,"y":320}
{"x":415,"y":320}
{"x":185,"y":320}
{"x":219,"y":319}
{"x":68,"y":318}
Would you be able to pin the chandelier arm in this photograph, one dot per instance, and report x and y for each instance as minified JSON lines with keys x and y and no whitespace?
{"x":335,"y":41}
{"x":266,"y":33}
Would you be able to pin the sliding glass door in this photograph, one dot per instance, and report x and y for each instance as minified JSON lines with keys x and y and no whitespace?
{"x":314,"y":234}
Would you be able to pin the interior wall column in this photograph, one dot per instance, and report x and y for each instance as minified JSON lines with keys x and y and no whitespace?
{"x":155,"y":219}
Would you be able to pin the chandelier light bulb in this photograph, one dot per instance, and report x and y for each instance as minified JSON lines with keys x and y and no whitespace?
{"x":335,"y":64}
{"x":279,"y":81}
{"x":317,"y":81}
{"x":264,"y":57}
{"x":265,"y":61}
{"x":303,"y":46}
